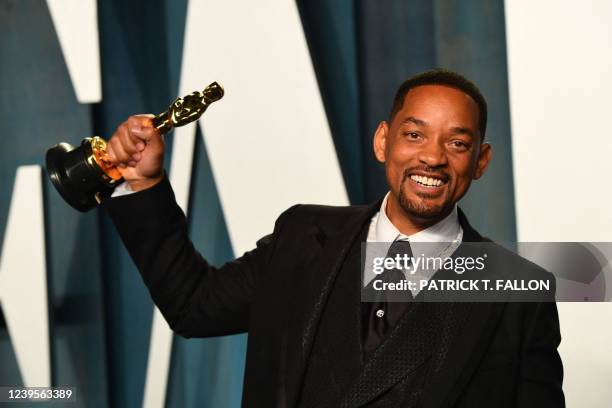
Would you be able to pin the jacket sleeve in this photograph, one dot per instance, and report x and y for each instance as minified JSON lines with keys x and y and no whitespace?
{"x":195,"y":298}
{"x":541,"y":370}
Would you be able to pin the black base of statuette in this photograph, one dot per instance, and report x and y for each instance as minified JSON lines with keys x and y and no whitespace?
{"x":76,"y":176}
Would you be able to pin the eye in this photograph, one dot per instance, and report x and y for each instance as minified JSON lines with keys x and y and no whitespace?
{"x":460,"y":145}
{"x":411,"y":135}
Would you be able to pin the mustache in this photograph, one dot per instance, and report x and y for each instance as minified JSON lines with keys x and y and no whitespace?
{"x":426,"y":169}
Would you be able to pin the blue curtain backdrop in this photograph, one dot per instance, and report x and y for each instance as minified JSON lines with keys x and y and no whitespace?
{"x":361,"y":50}
{"x":38,"y":108}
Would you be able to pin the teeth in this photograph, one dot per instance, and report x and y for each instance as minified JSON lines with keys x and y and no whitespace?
{"x":427,"y":181}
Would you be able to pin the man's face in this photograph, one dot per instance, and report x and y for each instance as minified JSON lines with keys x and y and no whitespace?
{"x":432,"y":150}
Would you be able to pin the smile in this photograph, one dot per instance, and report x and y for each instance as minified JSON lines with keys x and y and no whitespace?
{"x":430,"y":182}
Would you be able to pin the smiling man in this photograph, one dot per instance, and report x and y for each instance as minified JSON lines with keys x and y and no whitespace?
{"x":312,"y":342}
{"x":433,"y":147}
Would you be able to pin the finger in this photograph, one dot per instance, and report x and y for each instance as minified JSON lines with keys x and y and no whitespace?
{"x":135,"y":124}
{"x":144,"y":136}
{"x":141,"y":126}
{"x":145,"y":119}
{"x":110,"y":153}
{"x":114,"y":149}
{"x":140,"y":121}
{"x":119,"y":155}
{"x":129,"y":141}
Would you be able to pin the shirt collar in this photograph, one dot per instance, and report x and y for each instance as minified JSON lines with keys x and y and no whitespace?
{"x":445,"y":230}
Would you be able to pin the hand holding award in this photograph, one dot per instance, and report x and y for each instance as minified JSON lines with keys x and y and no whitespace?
{"x":134,"y":154}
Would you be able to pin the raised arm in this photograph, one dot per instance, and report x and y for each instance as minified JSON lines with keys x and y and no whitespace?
{"x":196,"y":298}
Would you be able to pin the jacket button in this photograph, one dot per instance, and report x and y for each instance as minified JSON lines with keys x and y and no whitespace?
{"x":380,"y":313}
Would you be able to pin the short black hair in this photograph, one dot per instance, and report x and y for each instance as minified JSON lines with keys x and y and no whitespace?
{"x":447,"y":78}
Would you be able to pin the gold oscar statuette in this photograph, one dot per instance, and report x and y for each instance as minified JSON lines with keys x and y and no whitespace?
{"x":83,"y":175}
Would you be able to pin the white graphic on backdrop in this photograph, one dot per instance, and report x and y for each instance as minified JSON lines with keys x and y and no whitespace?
{"x":559,"y":65}
{"x":23,"y":279}
{"x":76,"y":25}
{"x":268,"y":139}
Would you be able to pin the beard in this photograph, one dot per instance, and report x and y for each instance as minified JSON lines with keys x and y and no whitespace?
{"x":420,"y":208}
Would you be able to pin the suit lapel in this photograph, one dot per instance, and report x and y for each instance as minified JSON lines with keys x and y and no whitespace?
{"x":331,"y":250}
{"x":469,"y":344}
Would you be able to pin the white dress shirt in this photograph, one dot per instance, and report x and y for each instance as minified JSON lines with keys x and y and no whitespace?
{"x":439,"y":240}
{"x":122,"y":189}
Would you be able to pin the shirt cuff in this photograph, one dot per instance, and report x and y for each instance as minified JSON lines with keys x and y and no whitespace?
{"x":122,"y":189}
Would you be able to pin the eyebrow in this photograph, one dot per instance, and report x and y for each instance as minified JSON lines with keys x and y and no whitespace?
{"x":456,"y":130}
{"x":461,"y":130}
{"x":412,"y":119}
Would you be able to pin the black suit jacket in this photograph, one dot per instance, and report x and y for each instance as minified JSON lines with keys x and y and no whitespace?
{"x":504,"y":354}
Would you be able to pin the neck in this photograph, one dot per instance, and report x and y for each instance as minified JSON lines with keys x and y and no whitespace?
{"x":409,"y":224}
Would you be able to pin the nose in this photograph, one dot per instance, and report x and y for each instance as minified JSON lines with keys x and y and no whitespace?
{"x":433,"y":154}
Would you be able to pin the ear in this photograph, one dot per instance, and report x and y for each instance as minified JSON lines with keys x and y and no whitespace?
{"x":484,"y":157}
{"x":380,"y":141}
